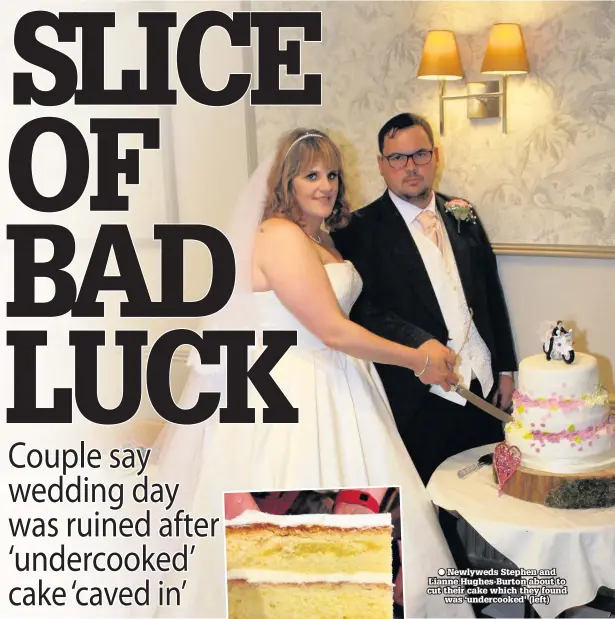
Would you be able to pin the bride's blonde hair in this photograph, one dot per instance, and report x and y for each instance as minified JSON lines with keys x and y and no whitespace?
{"x":297,"y":152}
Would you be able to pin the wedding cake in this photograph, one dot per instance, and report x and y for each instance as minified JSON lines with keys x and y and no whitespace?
{"x":561,"y":420}
{"x":561,"y":425}
{"x":321,"y":566}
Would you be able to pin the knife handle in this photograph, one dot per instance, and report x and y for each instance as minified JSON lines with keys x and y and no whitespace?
{"x":468,"y":470}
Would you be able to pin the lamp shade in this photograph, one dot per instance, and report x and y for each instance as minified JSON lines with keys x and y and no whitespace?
{"x":440,"y":59}
{"x":505,"y":53}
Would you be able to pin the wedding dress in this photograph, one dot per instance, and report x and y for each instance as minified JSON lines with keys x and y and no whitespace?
{"x":346,"y":437}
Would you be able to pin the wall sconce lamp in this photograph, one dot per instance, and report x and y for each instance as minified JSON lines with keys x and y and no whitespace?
{"x":505,"y":55}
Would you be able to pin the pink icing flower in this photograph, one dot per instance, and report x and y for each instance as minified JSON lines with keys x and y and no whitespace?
{"x":554,"y":402}
{"x":574,"y":437}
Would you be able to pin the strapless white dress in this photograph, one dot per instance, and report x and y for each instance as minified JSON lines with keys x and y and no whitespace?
{"x":346,"y":437}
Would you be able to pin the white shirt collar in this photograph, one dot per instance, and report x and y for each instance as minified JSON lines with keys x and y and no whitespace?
{"x":411,"y":210}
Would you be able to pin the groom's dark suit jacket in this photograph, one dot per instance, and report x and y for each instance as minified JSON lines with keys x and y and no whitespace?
{"x":398,"y":301}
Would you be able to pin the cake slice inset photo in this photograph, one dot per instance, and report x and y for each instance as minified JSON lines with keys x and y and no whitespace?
{"x":319,"y":563}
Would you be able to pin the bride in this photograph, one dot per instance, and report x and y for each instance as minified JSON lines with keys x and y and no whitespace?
{"x":290,"y":277}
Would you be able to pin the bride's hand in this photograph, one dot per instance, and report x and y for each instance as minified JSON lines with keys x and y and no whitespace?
{"x":439,"y":364}
{"x":435,"y":376}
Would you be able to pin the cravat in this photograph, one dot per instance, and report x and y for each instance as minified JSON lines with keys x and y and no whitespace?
{"x":431,"y":227}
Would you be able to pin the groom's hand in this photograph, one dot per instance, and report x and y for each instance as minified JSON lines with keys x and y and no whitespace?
{"x":504,"y":393}
{"x":441,"y":364}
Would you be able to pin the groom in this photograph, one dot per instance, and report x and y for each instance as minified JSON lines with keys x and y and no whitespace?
{"x":425,"y":265}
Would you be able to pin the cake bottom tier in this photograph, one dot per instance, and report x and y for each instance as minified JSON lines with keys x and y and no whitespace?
{"x":564,"y":452}
{"x":316,"y":600}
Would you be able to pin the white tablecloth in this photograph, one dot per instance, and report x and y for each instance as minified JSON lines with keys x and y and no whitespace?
{"x":579,"y":544}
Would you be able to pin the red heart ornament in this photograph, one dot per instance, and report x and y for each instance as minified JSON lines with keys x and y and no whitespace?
{"x":506,"y":460}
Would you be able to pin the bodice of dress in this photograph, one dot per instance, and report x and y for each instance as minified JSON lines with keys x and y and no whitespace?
{"x":273,"y":315}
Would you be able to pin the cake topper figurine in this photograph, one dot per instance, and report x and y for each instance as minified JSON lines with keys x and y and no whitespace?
{"x":557,"y":342}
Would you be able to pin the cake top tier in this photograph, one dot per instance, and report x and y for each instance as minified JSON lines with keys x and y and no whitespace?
{"x":582,"y":364}
{"x":540,"y":378}
{"x":353,"y":521}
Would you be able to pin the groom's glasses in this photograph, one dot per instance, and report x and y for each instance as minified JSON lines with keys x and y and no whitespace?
{"x":398,"y":161}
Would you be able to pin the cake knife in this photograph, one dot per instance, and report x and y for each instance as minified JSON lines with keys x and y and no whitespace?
{"x":480,"y":403}
{"x":468,"y":470}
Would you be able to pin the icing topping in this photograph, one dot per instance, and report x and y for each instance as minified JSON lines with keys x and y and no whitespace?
{"x":324,"y":520}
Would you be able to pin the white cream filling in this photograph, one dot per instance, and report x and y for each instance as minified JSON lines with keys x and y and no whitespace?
{"x":274,"y":576}
{"x":359,"y":521}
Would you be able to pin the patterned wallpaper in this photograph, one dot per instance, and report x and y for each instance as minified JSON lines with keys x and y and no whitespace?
{"x":550,"y":180}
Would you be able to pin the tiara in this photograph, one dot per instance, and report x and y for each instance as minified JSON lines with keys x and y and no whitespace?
{"x":305,"y":135}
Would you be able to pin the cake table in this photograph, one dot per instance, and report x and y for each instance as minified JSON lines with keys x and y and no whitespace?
{"x":578,"y":544}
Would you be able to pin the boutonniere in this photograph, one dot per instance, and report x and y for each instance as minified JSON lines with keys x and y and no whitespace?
{"x":461,"y":210}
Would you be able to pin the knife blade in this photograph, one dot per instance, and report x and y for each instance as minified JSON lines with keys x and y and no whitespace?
{"x":480,"y":403}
